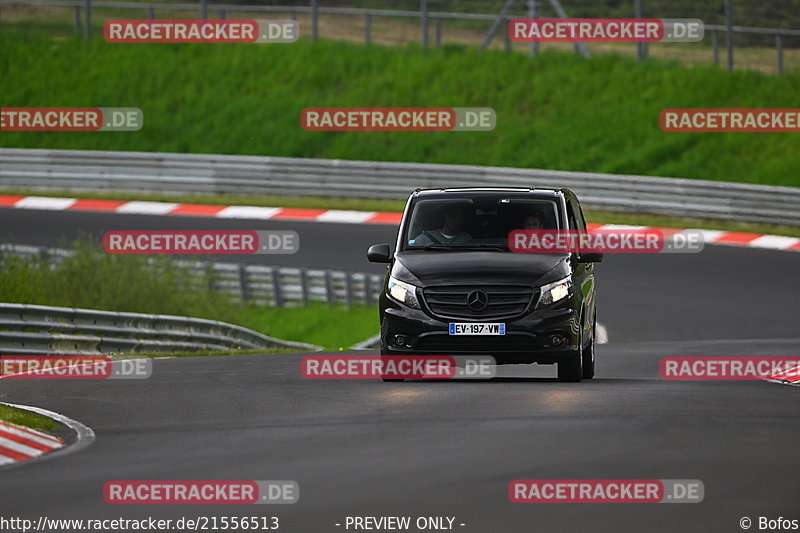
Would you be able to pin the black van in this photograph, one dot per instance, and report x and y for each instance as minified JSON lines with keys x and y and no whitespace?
{"x":454,"y":287}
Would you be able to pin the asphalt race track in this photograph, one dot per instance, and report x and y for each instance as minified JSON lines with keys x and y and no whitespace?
{"x":365,"y":448}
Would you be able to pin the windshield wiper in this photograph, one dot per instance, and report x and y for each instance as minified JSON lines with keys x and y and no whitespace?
{"x":482,"y":247}
{"x":435,"y":247}
{"x":457,"y":247}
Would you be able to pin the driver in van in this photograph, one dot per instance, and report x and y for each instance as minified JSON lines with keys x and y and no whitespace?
{"x":451,"y":231}
{"x":532,"y":222}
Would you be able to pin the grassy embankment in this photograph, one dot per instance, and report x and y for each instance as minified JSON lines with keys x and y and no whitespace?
{"x":555,"y":111}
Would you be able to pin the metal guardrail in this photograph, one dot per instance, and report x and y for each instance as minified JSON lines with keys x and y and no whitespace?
{"x":371,"y":343}
{"x":78,"y":170}
{"x":258,"y":284}
{"x":38,"y":329}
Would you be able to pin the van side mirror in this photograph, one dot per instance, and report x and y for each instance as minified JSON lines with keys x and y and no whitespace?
{"x":379,"y":253}
{"x":590,"y":258}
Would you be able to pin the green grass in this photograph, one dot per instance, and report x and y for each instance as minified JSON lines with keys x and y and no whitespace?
{"x":332,"y":328}
{"x":28,"y":419}
{"x":555,"y":111}
{"x":95,"y":280}
{"x":365,"y":204}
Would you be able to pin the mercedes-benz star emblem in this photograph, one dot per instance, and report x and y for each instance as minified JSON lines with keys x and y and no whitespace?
{"x":477,"y":300}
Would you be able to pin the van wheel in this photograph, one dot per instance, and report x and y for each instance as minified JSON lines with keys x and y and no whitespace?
{"x":571,"y":370}
{"x":385,"y":351}
{"x":588,"y":355}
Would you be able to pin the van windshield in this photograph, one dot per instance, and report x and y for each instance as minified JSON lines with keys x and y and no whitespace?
{"x":475,"y":222}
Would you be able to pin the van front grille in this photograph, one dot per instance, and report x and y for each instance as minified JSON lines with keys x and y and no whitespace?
{"x":478,"y":302}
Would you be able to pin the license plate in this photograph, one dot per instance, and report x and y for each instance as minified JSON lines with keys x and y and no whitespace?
{"x":477,"y":328}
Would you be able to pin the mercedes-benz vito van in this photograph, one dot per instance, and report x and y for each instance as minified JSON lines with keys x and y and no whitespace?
{"x":454,"y":286}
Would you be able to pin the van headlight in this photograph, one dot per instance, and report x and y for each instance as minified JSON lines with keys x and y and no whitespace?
{"x":403,"y":292}
{"x":553,"y":292}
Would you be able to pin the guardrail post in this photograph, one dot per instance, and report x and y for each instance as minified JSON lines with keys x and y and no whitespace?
{"x":423,"y":7}
{"x":329,"y":293}
{"x":367,"y":29}
{"x":87,"y":7}
{"x":534,"y":46}
{"x":304,"y":286}
{"x":368,"y":289}
{"x":314,"y":19}
{"x":276,"y":286}
{"x":715,"y":45}
{"x":151,"y":13}
{"x":348,"y":283}
{"x":438,"y":30}
{"x":76,"y":19}
{"x":506,"y":39}
{"x":779,"y":52}
{"x":44,"y":255}
{"x":729,"y":32}
{"x":203,"y":9}
{"x":641,"y":48}
{"x":244,"y":283}
{"x":210,"y":276}
{"x":223,"y":14}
